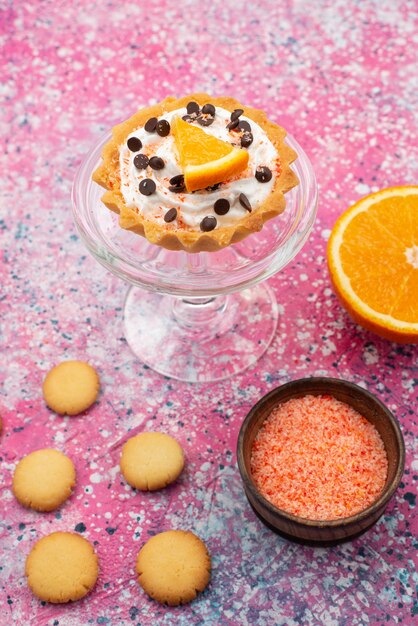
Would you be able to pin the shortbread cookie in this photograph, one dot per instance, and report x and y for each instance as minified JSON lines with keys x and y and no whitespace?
{"x":44,"y":479}
{"x":196,"y":173}
{"x":151,"y":461}
{"x":71,"y":387}
{"x":62,"y":567}
{"x":173,"y":567}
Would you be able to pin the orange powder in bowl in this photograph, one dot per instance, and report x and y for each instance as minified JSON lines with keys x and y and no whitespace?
{"x":318,"y":458}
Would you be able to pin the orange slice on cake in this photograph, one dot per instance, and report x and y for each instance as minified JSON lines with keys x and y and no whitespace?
{"x":205,"y":160}
{"x":373,"y":262}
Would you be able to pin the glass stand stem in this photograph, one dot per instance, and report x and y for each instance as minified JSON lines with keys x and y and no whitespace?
{"x":200,"y":315}
{"x":200,"y":339}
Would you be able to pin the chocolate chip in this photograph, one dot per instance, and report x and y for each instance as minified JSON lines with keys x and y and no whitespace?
{"x":236,"y":114}
{"x":213,"y":187}
{"x":151,"y":125}
{"x":171,"y":215}
{"x":205,"y":121}
{"x":147,"y":187}
{"x":134,"y":144}
{"x":263,"y":174}
{"x":221,"y":206}
{"x":246,"y":139}
{"x":141,"y":161}
{"x":177,"y":183}
{"x":208,"y":223}
{"x":209,"y":109}
{"x":232,"y":124}
{"x":193,"y":107}
{"x":188,"y":118}
{"x":163,"y":128}
{"x":243,"y":200}
{"x":243,"y":125}
{"x":177,"y":180}
{"x":156,"y":163}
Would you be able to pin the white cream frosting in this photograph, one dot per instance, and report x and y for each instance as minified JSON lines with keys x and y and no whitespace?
{"x":193,"y":207}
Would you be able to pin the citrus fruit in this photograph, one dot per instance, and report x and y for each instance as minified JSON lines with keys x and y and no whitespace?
{"x":205,"y":160}
{"x":373,"y":262}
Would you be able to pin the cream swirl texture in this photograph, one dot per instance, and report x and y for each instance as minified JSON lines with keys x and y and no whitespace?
{"x":193,"y":207}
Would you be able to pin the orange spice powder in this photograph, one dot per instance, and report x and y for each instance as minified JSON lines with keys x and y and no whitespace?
{"x":318,"y":458}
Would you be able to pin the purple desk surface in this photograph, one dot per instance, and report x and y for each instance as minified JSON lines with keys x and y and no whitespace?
{"x":341,"y":76}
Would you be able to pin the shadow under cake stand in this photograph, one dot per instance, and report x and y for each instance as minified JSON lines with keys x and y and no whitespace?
{"x":197,"y":317}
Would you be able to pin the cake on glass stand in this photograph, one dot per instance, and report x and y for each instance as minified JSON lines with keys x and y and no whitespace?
{"x":202,"y":316}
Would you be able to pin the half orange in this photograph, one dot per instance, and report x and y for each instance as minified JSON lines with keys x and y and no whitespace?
{"x":373,"y":262}
{"x":205,"y":159}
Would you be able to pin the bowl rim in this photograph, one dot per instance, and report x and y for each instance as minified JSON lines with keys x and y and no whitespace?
{"x":298,"y":385}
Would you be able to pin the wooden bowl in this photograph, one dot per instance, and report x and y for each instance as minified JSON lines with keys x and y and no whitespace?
{"x":328,"y":531}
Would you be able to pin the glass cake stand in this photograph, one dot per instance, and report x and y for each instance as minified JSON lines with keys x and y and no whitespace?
{"x":197,"y":317}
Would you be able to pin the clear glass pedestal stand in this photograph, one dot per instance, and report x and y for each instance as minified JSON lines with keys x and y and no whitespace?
{"x":197,"y":317}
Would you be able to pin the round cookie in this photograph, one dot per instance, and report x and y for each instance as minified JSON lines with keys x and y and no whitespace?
{"x":173,"y":567}
{"x":151,"y":461}
{"x":71,"y":387}
{"x":43,"y":479}
{"x":61,"y":567}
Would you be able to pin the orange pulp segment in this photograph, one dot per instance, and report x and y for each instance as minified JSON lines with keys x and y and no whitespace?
{"x":205,"y":160}
{"x":373,"y":262}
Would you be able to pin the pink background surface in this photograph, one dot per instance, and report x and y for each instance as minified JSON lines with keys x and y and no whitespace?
{"x":341,"y":76}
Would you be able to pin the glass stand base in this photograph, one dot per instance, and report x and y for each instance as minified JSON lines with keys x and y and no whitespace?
{"x":200,"y":339}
